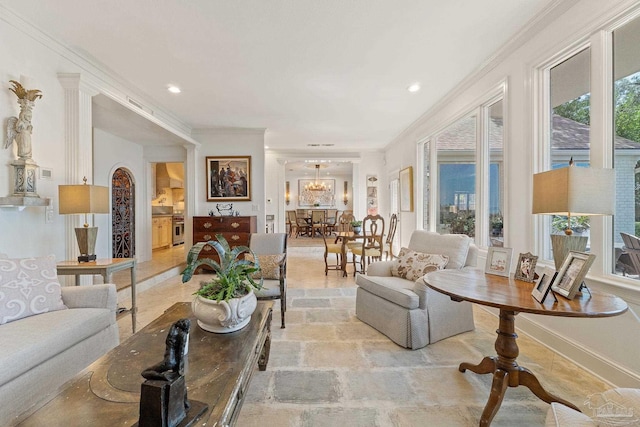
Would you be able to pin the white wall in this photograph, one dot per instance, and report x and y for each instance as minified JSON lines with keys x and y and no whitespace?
{"x":231,"y":142}
{"x":25,"y":233}
{"x":598,"y":344}
{"x":110,"y":153}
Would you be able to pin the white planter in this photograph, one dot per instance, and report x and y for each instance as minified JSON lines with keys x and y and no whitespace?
{"x":224,"y":316}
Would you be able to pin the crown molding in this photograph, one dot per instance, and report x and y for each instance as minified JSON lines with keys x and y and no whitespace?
{"x":100,"y":77}
{"x":532,"y":27}
{"x":222,"y":130}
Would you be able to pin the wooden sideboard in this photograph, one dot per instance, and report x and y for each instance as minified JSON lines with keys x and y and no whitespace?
{"x":236,"y":229}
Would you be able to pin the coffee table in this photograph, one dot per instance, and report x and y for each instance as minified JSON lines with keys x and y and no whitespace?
{"x":512,"y":297}
{"x":218,"y":373}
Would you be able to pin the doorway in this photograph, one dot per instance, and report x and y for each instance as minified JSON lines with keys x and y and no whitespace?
{"x":123,"y":214}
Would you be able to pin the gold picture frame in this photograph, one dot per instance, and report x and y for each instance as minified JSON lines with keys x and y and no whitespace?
{"x":228,"y":178}
{"x":406,"y":189}
{"x":526,"y":268}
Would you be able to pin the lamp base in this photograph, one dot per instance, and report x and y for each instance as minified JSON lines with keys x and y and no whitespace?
{"x":563,"y":244}
{"x":86,"y":237}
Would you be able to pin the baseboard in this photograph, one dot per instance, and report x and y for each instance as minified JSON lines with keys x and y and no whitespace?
{"x":594,"y":363}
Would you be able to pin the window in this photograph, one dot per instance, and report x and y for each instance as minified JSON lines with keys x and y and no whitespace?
{"x":569,"y":131}
{"x":456,"y":156}
{"x":626,"y":142}
{"x":495,"y":132}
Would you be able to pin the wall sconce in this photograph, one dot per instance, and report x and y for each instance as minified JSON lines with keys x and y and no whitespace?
{"x":287,"y":194}
{"x":84,"y":199}
{"x":345,"y":199}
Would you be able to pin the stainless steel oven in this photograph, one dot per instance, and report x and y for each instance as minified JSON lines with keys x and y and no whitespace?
{"x":178,"y":229}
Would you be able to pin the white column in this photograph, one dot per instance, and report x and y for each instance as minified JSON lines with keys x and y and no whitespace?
{"x":78,"y":144}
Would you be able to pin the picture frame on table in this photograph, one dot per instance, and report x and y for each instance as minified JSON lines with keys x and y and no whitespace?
{"x":406,"y":189}
{"x":572,"y":272}
{"x":543,"y":285}
{"x":498,"y":261}
{"x":228,"y":178}
{"x":526,"y":268}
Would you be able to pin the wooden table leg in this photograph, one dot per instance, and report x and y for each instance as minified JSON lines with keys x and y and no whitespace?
{"x":266,"y":348}
{"x":506,"y":371}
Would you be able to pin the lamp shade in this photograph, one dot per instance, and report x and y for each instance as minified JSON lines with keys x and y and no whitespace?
{"x":83,"y":199}
{"x":574,"y":191}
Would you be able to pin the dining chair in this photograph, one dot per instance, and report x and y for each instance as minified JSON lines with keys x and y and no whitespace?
{"x":331,"y":220}
{"x":318,"y":222}
{"x":344,"y":222}
{"x":370,"y":247}
{"x":271,"y":250}
{"x":302,"y":226}
{"x":393,"y":224}
{"x":292,"y":222}
{"x":332,"y":248}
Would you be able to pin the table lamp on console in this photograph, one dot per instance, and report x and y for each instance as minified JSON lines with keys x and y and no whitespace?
{"x":573,"y":191}
{"x":84,"y":199}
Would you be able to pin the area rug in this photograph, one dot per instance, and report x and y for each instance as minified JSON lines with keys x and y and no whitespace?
{"x":329,"y":369}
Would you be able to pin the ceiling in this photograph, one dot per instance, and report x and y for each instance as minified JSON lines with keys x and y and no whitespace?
{"x":330,"y":73}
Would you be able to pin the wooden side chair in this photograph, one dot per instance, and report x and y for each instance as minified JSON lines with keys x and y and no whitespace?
{"x":393,"y":224}
{"x":370,"y":248}
{"x":331,"y":220}
{"x":301,"y":225}
{"x":318,"y":222}
{"x":344,"y":222}
{"x":332,"y":248}
{"x":271,"y":250}
{"x":632,"y":249}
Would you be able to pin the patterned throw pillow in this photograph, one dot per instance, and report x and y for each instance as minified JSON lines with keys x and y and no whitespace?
{"x":269,"y":266}
{"x":28,"y":286}
{"x":412,"y":265}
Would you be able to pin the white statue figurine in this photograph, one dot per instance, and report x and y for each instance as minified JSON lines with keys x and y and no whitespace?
{"x":19,"y":128}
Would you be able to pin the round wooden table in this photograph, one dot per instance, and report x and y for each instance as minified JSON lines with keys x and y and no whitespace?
{"x":512,"y":297}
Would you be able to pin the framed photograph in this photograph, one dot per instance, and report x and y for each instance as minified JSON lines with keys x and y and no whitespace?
{"x":498,"y":261}
{"x":526,"y":268}
{"x":229,"y":179}
{"x":571,"y":273}
{"x":406,"y":189}
{"x":543,"y":285}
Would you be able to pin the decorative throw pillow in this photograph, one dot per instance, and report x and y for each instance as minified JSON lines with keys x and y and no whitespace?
{"x":412,"y":265}
{"x":28,"y":286}
{"x":269,"y":266}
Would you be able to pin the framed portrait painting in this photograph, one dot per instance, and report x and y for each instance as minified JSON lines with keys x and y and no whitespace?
{"x":543,"y":285}
{"x":572,"y":273}
{"x":228,"y":178}
{"x":406,"y":189}
{"x":498,"y":261}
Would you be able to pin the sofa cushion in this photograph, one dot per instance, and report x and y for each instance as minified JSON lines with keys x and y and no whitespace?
{"x":394,"y":289}
{"x":412,"y":265}
{"x":269,"y":266}
{"x":28,"y":286}
{"x":455,"y":246}
{"x":30,"y":341}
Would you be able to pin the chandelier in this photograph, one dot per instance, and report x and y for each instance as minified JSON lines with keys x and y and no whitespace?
{"x":317,"y":185}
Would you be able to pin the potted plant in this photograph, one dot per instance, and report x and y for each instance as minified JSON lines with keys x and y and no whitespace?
{"x":357,"y":226}
{"x":225,"y":303}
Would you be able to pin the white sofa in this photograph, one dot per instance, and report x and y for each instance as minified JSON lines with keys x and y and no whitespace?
{"x":409,"y":312}
{"x":43,"y":351}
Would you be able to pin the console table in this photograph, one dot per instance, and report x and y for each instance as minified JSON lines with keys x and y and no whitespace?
{"x":105,"y":267}
{"x":218,"y":373}
{"x":512,"y":297}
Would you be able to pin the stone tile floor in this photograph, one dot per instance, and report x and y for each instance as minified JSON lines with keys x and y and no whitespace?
{"x":327,"y":368}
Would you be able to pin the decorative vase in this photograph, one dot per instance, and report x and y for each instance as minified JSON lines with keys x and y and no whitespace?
{"x":357,"y":230}
{"x":224,"y":316}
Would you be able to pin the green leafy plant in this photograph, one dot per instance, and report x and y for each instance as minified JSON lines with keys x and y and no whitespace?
{"x":233,"y":272}
{"x":356,"y":223}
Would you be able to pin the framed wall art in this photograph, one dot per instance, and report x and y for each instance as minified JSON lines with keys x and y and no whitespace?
{"x":498,"y":261}
{"x":543,"y":285}
{"x":526,"y":268}
{"x":406,"y":189}
{"x":571,"y":273}
{"x":321,"y":196}
{"x":228,"y":178}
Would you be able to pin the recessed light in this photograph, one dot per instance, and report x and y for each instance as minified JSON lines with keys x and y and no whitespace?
{"x":173,"y":89}
{"x":414,"y":87}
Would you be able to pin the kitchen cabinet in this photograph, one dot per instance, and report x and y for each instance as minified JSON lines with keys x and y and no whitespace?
{"x":161,"y":232}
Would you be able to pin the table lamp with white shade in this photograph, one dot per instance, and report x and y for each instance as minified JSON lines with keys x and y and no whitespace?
{"x":573,"y":191}
{"x":84,"y":199}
